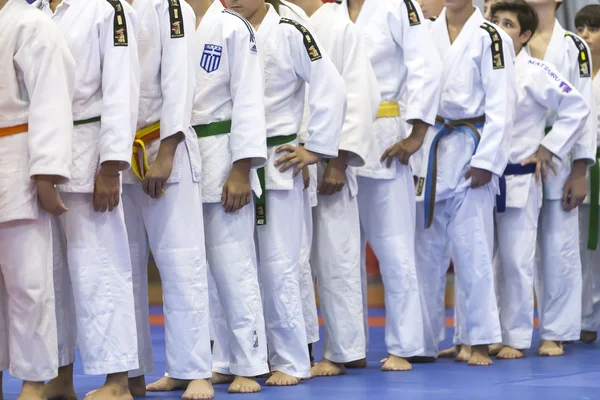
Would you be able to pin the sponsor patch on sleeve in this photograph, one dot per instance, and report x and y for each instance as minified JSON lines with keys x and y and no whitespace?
{"x":119,"y":24}
{"x":497,"y":51}
{"x":309,"y":41}
{"x":176,"y":19}
{"x":583,"y":58}
{"x":413,"y":15}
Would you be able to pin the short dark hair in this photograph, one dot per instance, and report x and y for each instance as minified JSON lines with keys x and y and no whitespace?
{"x":588,"y":16}
{"x":526,"y":15}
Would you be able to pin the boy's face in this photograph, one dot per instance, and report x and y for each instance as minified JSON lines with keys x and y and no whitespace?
{"x":591,"y":35}
{"x":246,"y":8}
{"x":510,"y":24}
{"x":431,"y":8}
{"x":487,"y":9}
{"x":456,"y":5}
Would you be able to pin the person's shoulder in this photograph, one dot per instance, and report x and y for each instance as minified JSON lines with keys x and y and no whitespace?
{"x":32,"y":21}
{"x":579,"y":50}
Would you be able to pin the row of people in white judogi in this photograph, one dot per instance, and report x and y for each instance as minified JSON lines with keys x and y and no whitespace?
{"x":213,"y":167}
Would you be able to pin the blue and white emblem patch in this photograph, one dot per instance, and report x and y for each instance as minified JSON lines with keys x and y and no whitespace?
{"x":211,"y":57}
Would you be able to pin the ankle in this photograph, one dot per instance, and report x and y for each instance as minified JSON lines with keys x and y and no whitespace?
{"x":119,"y":378}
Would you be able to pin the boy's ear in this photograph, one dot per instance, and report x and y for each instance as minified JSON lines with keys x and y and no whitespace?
{"x":525,"y":36}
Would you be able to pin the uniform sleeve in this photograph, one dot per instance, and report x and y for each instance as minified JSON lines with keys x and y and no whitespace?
{"x":423,"y":63}
{"x":585,"y":147}
{"x":358,"y":77}
{"x":49,"y":76}
{"x":248,"y":137}
{"x":177,"y":26}
{"x":326,"y":92}
{"x":561,"y":97}
{"x":120,"y":87}
{"x":499,"y":84}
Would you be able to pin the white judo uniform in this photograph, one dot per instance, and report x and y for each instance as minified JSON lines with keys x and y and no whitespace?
{"x":91,"y":251}
{"x":404,"y":59}
{"x":481,"y":57}
{"x":291,"y":57}
{"x":171,"y":227}
{"x":35,"y":139}
{"x":229,"y":120}
{"x":559,"y":282}
{"x":540,"y":88}
{"x":336,"y":227}
{"x":590,"y":256}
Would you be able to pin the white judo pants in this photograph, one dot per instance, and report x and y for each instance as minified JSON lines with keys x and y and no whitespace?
{"x":279,"y":243}
{"x":240,"y":344}
{"x":307,"y":286}
{"x":28,"y":338}
{"x":466,"y":223}
{"x":590,"y":266}
{"x":336,"y":261}
{"x":514,"y":266}
{"x":387,"y":220}
{"x":171,"y":227}
{"x":558,"y":276}
{"x":98,"y":265}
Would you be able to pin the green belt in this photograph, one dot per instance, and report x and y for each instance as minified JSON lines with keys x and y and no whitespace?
{"x":547,"y":129}
{"x":594,"y":204}
{"x":260,"y":203}
{"x":86,"y":121}
{"x":213,"y":129}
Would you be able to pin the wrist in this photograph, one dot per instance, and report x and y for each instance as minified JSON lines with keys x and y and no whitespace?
{"x":242,"y":166}
{"x":340,"y":161}
{"x":419,"y":130}
{"x":110,"y":168}
{"x":45,"y":179}
{"x":168,"y":146}
{"x":579,"y":168}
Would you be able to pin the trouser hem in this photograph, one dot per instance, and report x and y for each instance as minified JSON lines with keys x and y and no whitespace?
{"x":345,"y":359}
{"x":25,"y":374}
{"x":248,"y":371}
{"x":67,"y":357}
{"x":190,"y":376}
{"x":295,"y":374}
{"x":519,"y":342}
{"x":111,"y":367}
{"x":141,"y":371}
{"x":406,"y":354}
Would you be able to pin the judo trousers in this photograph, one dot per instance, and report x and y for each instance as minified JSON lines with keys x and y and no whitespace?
{"x":307,"y":285}
{"x":28,"y":338}
{"x":279,"y":243}
{"x":387,"y":220}
{"x":514,"y":266}
{"x":171,"y":227}
{"x":240,"y":345}
{"x":558,"y":278}
{"x":590,"y":266}
{"x":336,"y":260}
{"x":98,"y":264}
{"x":465,"y":222}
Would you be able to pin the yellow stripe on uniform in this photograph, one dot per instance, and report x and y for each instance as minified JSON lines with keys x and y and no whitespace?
{"x":142,"y":138}
{"x":389,"y":109}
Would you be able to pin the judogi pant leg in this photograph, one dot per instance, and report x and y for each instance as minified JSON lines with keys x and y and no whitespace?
{"x":514,"y":261}
{"x":431,"y":264}
{"x":471,"y":233}
{"x":138,"y":250}
{"x":560,"y":273}
{"x":4,"y":353}
{"x":100,"y":270}
{"x":26,"y":266}
{"x":336,"y":259}
{"x":218,"y":326}
{"x":590,"y":266}
{"x":364,"y":284}
{"x":382,"y":205}
{"x":279,"y":244}
{"x":307,"y":286}
{"x":66,"y":317}
{"x":231,"y":255}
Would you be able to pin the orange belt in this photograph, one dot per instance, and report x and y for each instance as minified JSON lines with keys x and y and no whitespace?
{"x":142,"y":138}
{"x":13,"y":130}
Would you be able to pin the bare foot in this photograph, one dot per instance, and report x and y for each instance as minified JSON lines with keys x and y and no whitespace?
{"x":509,"y":353}
{"x":494,"y":349}
{"x":242,"y":384}
{"x":464,"y":354}
{"x":479,"y":356}
{"x":550,"y":348}
{"x":421,"y":360}
{"x":281,"y":379}
{"x":452,"y":352}
{"x":137,"y":386}
{"x":199,"y":389}
{"x":61,"y":387}
{"x":111,"y":391}
{"x":358,"y":364}
{"x":327,"y":368}
{"x":167,"y":384}
{"x":32,"y":391}
{"x":395,"y":363}
{"x":221,"y":379}
{"x":588,"y":337}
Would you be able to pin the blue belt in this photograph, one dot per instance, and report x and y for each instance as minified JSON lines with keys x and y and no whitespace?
{"x":511,"y":169}
{"x":446,"y":126}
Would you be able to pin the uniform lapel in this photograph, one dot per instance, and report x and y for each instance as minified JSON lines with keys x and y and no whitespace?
{"x":270,"y":21}
{"x":75,"y":8}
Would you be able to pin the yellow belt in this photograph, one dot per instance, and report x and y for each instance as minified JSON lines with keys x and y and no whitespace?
{"x":13,"y":130}
{"x":388,"y":109}
{"x":142,"y":138}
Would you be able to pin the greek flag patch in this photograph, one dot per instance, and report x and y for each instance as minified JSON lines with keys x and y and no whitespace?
{"x":211,"y":57}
